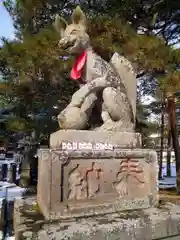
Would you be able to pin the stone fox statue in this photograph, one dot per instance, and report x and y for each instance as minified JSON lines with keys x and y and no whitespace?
{"x":110,"y":84}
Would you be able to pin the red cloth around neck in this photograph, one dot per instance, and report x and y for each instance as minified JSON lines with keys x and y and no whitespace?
{"x":77,"y":68}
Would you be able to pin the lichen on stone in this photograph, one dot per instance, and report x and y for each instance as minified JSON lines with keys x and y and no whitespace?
{"x":36,"y":208}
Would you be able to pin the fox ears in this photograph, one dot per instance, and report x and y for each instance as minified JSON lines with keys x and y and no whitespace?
{"x":60,"y":24}
{"x":78,"y":17}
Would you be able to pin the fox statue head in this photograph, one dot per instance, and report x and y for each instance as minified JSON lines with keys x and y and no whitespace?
{"x":74,"y":38}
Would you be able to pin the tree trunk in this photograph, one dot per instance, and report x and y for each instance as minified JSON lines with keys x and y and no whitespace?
{"x":162,"y":138}
{"x":174,"y":134}
{"x":168,"y":166}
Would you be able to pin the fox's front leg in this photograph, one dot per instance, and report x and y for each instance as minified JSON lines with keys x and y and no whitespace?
{"x":89,"y":103}
{"x":91,"y":87}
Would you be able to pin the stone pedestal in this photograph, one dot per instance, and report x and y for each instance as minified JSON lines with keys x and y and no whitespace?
{"x":84,"y":180}
{"x":117,"y":139}
{"x":148,"y":224}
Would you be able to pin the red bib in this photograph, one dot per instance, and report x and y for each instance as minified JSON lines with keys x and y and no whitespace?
{"x":77,"y":68}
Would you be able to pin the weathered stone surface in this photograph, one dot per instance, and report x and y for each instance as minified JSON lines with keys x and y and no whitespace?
{"x":72,"y":118}
{"x":147,"y":224}
{"x":27,"y":219}
{"x":117,"y":139}
{"x":116,"y":81}
{"x":113,"y":126}
{"x":86,"y":183}
{"x":128,"y":77}
{"x":28,"y":235}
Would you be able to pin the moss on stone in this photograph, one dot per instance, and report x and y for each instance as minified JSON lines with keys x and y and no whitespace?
{"x":31,"y":212}
{"x":36,"y":208}
{"x":131,"y":214}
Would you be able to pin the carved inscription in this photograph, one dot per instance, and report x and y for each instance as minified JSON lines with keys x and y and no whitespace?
{"x":86,"y":146}
{"x":130,"y":204}
{"x":129,"y":170}
{"x":77,"y":185}
{"x":86,"y":184}
{"x":94,"y":179}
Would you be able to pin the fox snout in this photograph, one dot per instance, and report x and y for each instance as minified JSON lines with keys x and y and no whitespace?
{"x":66,"y":43}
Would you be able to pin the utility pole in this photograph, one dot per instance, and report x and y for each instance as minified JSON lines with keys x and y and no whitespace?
{"x":162,"y":135}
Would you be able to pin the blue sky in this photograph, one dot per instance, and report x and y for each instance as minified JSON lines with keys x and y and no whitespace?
{"x":6,"y":26}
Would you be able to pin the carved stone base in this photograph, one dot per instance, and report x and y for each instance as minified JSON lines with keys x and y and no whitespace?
{"x":117,"y":139}
{"x":85,"y":183}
